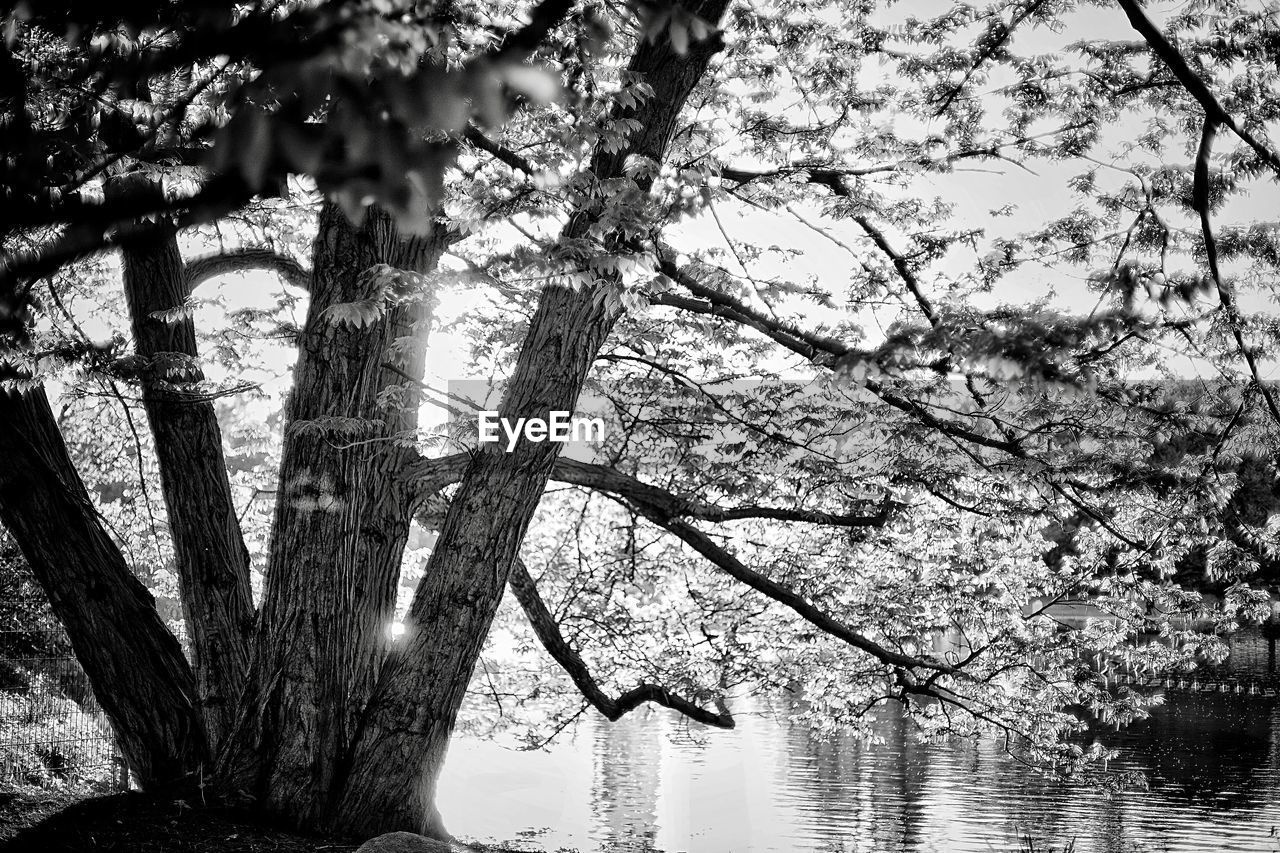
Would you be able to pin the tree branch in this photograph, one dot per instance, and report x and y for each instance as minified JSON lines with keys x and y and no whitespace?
{"x":148,"y":216}
{"x":202,"y":268}
{"x":899,"y":261}
{"x":820,"y":350}
{"x":546,"y":16}
{"x":997,"y":36}
{"x":825,"y":175}
{"x":817,"y":348}
{"x":500,"y":152}
{"x":425,"y":477}
{"x":431,"y":475}
{"x":548,"y":632}
{"x":1214,"y":112}
{"x":1200,"y":201}
{"x":92,"y":226}
{"x":732,"y":566}
{"x":1215,"y":116}
{"x":604,"y":479}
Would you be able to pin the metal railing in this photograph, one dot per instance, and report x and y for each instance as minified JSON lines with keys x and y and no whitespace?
{"x":52,"y":731}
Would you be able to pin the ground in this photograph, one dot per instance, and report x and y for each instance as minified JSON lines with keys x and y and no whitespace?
{"x":135,"y":823}
{"x":24,"y":805}
{"x":50,"y":821}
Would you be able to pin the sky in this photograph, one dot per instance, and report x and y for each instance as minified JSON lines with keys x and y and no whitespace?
{"x":1039,"y":193}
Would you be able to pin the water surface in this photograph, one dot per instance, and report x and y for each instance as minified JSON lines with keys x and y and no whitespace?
{"x":655,"y":781}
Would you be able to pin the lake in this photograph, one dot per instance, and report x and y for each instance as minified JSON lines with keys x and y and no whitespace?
{"x":654,"y":781}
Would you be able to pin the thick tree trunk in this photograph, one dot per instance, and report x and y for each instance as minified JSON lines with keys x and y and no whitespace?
{"x":405,"y":732}
{"x":212,"y":562}
{"x":332,"y":731}
{"x":340,"y":521}
{"x":136,"y":667}
{"x":407,"y":728}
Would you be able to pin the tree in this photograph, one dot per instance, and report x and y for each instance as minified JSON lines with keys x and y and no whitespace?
{"x":806,"y":558}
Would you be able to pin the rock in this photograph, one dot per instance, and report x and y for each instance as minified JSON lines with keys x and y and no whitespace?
{"x":404,"y":842}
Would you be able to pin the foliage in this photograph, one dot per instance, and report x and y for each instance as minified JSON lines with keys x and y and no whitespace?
{"x":878,"y":432}
{"x":1021,"y":457}
{"x":27,"y":627}
{"x":237,"y":89}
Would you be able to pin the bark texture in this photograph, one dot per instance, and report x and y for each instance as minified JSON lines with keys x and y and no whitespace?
{"x":136,"y":667}
{"x":332,"y":728}
{"x":340,"y":522}
{"x":212,"y":562}
{"x":405,"y":732}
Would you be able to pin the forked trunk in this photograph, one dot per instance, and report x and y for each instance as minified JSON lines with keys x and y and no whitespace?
{"x":331,"y":730}
{"x":340,"y":523}
{"x":405,"y":732}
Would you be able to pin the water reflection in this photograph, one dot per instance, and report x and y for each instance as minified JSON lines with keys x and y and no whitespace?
{"x":1210,"y":751}
{"x":624,"y":798}
{"x":655,"y":781}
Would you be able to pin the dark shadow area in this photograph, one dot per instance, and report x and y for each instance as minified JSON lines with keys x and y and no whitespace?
{"x":135,"y":823}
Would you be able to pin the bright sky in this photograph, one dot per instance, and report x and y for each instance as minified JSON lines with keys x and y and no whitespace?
{"x":1039,"y":195}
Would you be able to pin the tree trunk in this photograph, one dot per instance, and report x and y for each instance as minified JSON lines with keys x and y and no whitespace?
{"x":405,"y":732}
{"x":341,"y":523}
{"x":136,"y":667}
{"x":212,"y":562}
{"x":331,"y":730}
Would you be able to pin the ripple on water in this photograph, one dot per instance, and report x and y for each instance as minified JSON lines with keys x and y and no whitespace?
{"x":1213,"y":762}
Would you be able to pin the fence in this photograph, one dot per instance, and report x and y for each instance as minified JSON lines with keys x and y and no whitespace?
{"x":52,"y":731}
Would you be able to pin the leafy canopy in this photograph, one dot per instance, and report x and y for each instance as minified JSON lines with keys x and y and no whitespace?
{"x":907,"y":300}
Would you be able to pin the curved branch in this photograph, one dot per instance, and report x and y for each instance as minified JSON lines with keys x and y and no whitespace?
{"x":1215,"y":116}
{"x":1226,"y":296}
{"x":201,"y":269}
{"x":144,"y":216}
{"x":548,"y":631}
{"x":424,"y":477}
